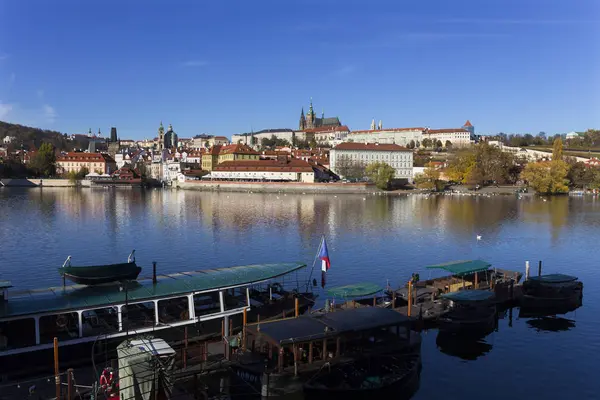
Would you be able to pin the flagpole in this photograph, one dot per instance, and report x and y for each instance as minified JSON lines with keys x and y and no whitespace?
{"x":315,"y":261}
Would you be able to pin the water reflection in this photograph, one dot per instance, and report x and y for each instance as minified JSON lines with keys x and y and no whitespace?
{"x":177,"y":227}
{"x":551,"y":324}
{"x":565,"y":308}
{"x":465,"y":348}
{"x":553,"y":211}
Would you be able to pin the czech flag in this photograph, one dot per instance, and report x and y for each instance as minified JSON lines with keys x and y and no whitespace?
{"x":325,"y":263}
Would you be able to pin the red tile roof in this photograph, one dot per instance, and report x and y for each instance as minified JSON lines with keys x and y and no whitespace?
{"x":265,"y":165}
{"x":342,"y":128}
{"x":214,"y":150}
{"x":468,"y":123}
{"x":85,"y":157}
{"x":388,"y":130}
{"x":446,"y":130}
{"x":237,"y":149}
{"x":369,"y":147}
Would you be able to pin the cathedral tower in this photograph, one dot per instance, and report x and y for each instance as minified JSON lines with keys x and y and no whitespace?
{"x":302,"y":124}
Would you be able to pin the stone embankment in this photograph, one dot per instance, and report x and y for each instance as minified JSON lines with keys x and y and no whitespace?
{"x":289,"y":187}
{"x":30,"y":182}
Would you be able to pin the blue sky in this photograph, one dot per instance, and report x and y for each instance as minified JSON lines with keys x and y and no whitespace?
{"x":228,"y":67}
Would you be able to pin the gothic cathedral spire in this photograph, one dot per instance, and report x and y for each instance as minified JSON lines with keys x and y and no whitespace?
{"x":302,"y":124}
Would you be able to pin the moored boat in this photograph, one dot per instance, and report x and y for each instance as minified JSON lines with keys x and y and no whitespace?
{"x":80,"y":315}
{"x":468,"y":312}
{"x":363,"y":294}
{"x":465,"y":274}
{"x":285,"y":354}
{"x":552,"y":291}
{"x":99,"y":274}
{"x":384,"y":375}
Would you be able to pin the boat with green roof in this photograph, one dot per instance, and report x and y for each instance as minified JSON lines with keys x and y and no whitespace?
{"x":79,"y":315}
{"x":464,"y":275}
{"x":468,"y":312}
{"x":552,"y":291}
{"x":356,"y":295}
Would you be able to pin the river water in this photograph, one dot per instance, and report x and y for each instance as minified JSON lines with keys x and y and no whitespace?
{"x":370,"y":238}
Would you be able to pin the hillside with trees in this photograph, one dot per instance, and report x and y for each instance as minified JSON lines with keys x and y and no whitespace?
{"x":32,"y":138}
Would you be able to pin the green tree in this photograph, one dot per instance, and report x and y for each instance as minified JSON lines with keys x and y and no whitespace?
{"x":142,"y":169}
{"x":448,"y":144}
{"x":44,"y":161}
{"x":548,"y":177}
{"x":557,"y":150}
{"x":411,"y":144}
{"x":381,"y":174}
{"x":429,"y":179}
{"x":427,"y":142}
{"x":460,"y":168}
{"x":438,"y":144}
{"x":349,"y":169}
{"x":581,"y":176}
{"x":312,"y":143}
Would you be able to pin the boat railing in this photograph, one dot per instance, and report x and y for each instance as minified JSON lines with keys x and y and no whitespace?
{"x":131,"y":258}
{"x":67,"y":262}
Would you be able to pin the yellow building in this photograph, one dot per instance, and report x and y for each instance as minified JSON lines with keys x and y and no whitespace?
{"x":210,"y":159}
{"x":233,"y":152}
{"x":94,"y":162}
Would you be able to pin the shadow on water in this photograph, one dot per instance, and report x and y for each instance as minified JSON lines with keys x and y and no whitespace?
{"x":551,"y":324}
{"x":465,"y":348}
{"x":539,"y":312}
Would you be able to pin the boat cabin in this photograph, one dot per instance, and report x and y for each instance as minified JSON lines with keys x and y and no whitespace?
{"x":355,"y":296}
{"x":305,"y":343}
{"x":468,"y":310}
{"x":31,"y":319}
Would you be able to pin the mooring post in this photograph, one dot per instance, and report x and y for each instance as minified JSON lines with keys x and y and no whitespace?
{"x":56,"y":373}
{"x":540,"y":268}
{"x":409,"y":297}
{"x":154,"y":272}
{"x":476,"y":281}
{"x":374,"y":301}
{"x":185,"y":347}
{"x":295,"y":359}
{"x":244,"y":323}
{"x":70,"y":384}
{"x":297,"y":307}
{"x":526,"y":270}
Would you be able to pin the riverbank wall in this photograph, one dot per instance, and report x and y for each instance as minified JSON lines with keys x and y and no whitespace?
{"x":31,"y":182}
{"x":269,"y":187}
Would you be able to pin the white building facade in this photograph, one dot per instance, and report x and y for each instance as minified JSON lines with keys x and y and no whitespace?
{"x":398,"y":157}
{"x":457,"y":137}
{"x":264,"y":170}
{"x":399,"y":136}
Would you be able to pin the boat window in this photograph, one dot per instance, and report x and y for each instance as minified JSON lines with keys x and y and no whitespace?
{"x":207,"y":303}
{"x":62,"y":326}
{"x":235,"y":298}
{"x":138,"y":316}
{"x":101,"y":321}
{"x":173,"y":310}
{"x":17,"y":333}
